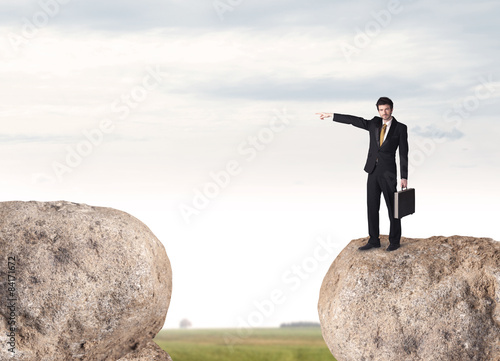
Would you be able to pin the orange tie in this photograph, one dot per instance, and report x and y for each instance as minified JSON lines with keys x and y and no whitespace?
{"x":382,"y":134}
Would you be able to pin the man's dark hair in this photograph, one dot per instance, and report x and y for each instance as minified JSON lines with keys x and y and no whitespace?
{"x":385,"y":101}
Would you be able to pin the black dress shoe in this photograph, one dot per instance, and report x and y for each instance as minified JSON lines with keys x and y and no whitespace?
{"x":368,"y":246}
{"x":392,"y":247}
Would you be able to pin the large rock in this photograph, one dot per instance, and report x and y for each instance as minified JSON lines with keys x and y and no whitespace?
{"x":90,"y":283}
{"x":433,"y":299}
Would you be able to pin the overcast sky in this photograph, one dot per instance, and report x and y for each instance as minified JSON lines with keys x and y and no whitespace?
{"x":199,"y":119}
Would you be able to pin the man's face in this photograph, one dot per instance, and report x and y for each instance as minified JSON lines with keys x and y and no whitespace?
{"x":385,"y":111}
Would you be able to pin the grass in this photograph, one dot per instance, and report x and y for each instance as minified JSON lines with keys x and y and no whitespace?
{"x":273,"y":344}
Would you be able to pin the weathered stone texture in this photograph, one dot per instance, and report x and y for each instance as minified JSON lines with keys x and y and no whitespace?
{"x":91,"y":283}
{"x":149,"y":352}
{"x":433,"y":299}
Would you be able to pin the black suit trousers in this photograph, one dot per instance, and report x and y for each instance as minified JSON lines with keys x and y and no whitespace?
{"x":384,"y":182}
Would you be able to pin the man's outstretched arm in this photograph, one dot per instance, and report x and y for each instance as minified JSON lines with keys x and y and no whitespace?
{"x":346,"y":119}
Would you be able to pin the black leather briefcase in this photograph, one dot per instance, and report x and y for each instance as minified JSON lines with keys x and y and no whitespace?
{"x":404,"y":203}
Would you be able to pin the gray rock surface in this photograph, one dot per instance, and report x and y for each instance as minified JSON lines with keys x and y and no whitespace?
{"x":433,"y":299}
{"x":149,"y":352}
{"x":91,"y":283}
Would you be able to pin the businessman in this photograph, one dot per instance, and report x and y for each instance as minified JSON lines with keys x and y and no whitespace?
{"x":386,"y":136}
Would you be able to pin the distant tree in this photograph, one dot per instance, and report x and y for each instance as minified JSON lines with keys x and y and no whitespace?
{"x":300,"y":324}
{"x":185,"y":323}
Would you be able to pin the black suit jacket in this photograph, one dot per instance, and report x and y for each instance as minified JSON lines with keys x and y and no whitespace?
{"x":384,"y":156}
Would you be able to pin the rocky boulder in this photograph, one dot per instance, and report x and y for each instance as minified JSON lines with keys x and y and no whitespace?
{"x":79,"y":283}
{"x":433,"y":299}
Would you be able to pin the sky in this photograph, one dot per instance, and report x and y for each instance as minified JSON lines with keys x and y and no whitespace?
{"x":198,"y":118}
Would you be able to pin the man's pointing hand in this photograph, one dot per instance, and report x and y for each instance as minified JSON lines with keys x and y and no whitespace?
{"x":323,"y":115}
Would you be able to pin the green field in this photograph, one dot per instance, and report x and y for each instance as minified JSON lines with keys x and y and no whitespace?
{"x":274,"y":344}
